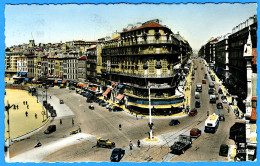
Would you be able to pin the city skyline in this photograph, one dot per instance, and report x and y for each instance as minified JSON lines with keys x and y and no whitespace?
{"x":55,"y":23}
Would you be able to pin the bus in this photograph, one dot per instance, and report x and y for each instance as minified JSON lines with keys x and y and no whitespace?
{"x":211,"y":124}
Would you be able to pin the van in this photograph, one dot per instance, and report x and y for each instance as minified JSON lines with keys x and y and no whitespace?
{"x":198,"y":87}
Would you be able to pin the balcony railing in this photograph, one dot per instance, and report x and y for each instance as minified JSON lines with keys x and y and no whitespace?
{"x":143,"y":75}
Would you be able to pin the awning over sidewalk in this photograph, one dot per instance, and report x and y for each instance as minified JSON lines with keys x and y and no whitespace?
{"x":106,"y":92}
{"x":120,"y":96}
{"x":253,"y":114}
{"x":84,"y":85}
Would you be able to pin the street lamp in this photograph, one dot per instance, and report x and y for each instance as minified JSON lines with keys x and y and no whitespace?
{"x":150,"y":124}
{"x":7,"y":108}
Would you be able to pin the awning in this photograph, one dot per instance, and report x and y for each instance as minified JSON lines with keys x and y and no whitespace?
{"x":56,"y":81}
{"x":26,"y":79}
{"x":253,"y":114}
{"x":93,"y":88}
{"x":106,"y":92}
{"x":120,"y":86}
{"x":84,"y":85}
{"x":63,"y":82}
{"x":120,"y":96}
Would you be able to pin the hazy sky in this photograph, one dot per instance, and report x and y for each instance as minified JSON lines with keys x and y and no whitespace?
{"x":197,"y":23}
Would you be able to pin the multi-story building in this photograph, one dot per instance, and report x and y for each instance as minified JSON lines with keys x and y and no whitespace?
{"x":91,"y":63}
{"x":81,"y":69}
{"x":148,"y":53}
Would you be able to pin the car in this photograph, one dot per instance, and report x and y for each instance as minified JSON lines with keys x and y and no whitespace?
{"x":212,"y":78}
{"x":100,"y":101}
{"x":195,"y":133}
{"x":219,"y":106}
{"x":174,"y":122}
{"x":91,"y":107}
{"x":75,"y":131}
{"x":117,"y":154}
{"x":203,"y":81}
{"x":50,"y":129}
{"x":71,"y":88}
{"x":211,"y":85}
{"x":109,"y":106}
{"x":224,"y":99}
{"x":211,"y":91}
{"x":193,"y":112}
{"x":220,"y":91}
{"x":104,"y":104}
{"x":223,"y":150}
{"x":101,"y":142}
{"x":61,"y":102}
{"x":221,"y":117}
{"x":197,"y":95}
{"x":53,"y":112}
{"x":116,"y":108}
{"x":97,"y":100}
{"x":89,"y":100}
{"x":197,"y":104}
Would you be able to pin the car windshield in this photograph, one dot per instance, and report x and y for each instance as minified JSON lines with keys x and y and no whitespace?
{"x":116,"y":150}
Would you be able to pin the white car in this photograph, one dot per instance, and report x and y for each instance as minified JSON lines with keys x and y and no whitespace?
{"x":108,"y":106}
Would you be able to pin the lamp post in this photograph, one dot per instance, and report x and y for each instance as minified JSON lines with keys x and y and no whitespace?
{"x":150,"y":124}
{"x":7,"y":108}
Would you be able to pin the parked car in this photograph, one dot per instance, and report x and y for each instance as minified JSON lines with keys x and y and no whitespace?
{"x":193,"y":112}
{"x":220,"y":91}
{"x":75,"y":131}
{"x":101,"y":142}
{"x":197,"y":95}
{"x":204,"y":81}
{"x":61,"y":102}
{"x":219,"y":106}
{"x":195,"y":132}
{"x":224,"y":99}
{"x":174,"y":122}
{"x":181,"y":145}
{"x":211,"y":85}
{"x":115,"y":109}
{"x":212,"y":78}
{"x":223,"y":150}
{"x":197,"y":104}
{"x":50,"y":129}
{"x":117,"y":154}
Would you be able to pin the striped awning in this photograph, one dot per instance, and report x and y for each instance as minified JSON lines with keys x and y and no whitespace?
{"x":106,"y":92}
{"x":120,"y":96}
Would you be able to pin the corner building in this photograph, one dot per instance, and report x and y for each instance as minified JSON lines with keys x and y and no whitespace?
{"x":149,"y":53}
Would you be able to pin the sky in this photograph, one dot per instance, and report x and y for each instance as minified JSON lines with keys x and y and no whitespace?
{"x":197,"y":23}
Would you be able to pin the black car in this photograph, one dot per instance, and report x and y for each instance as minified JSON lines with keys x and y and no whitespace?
{"x":212,"y":78}
{"x":197,"y":104}
{"x":50,"y":129}
{"x":117,"y":154}
{"x":223,"y":150}
{"x":89,"y":100}
{"x":117,"y":109}
{"x":211,"y":91}
{"x":221,"y":117}
{"x":174,"y":122}
{"x":220,"y":91}
{"x":61,"y":102}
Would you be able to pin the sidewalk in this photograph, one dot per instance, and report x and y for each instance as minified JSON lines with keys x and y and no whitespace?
{"x":38,"y":154}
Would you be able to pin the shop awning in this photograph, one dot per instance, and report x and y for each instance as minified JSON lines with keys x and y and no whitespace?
{"x":84,"y":85}
{"x":253,"y":114}
{"x":56,"y":81}
{"x":120,"y":86}
{"x":93,"y":88}
{"x":120,"y":96}
{"x":106,"y":92}
{"x":63,"y":82}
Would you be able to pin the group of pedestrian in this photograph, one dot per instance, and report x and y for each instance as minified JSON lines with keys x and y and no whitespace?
{"x":131,"y":144}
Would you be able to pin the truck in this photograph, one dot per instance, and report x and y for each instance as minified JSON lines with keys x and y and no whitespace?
{"x":181,"y":145}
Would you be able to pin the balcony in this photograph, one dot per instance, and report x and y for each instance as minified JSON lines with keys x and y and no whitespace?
{"x":143,"y":75}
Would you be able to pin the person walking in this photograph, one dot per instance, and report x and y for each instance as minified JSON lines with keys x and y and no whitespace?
{"x":50,"y":96}
{"x":72,"y":122}
{"x":17,"y":106}
{"x":26,"y":102}
{"x":60,"y":122}
{"x":23,"y":102}
{"x":14,"y":107}
{"x":26,"y":113}
{"x":207,"y":113}
{"x":35,"y":116}
{"x":138,"y":143}
{"x":27,"y":106}
{"x":120,"y":126}
{"x":131,"y":145}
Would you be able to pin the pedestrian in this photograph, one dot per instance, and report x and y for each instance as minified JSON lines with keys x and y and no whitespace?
{"x":120,"y":126}
{"x":26,"y":114}
{"x":27,"y":106}
{"x":50,"y":96}
{"x":207,"y":113}
{"x":72,"y":122}
{"x":79,"y":129}
{"x":35,"y":116}
{"x":26,"y":102}
{"x":17,"y":107}
{"x":228,"y":110}
{"x":23,"y":102}
{"x":60,"y":122}
{"x":14,"y":107}
{"x":138,"y":143}
{"x":131,"y":145}
{"x":136,"y":116}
